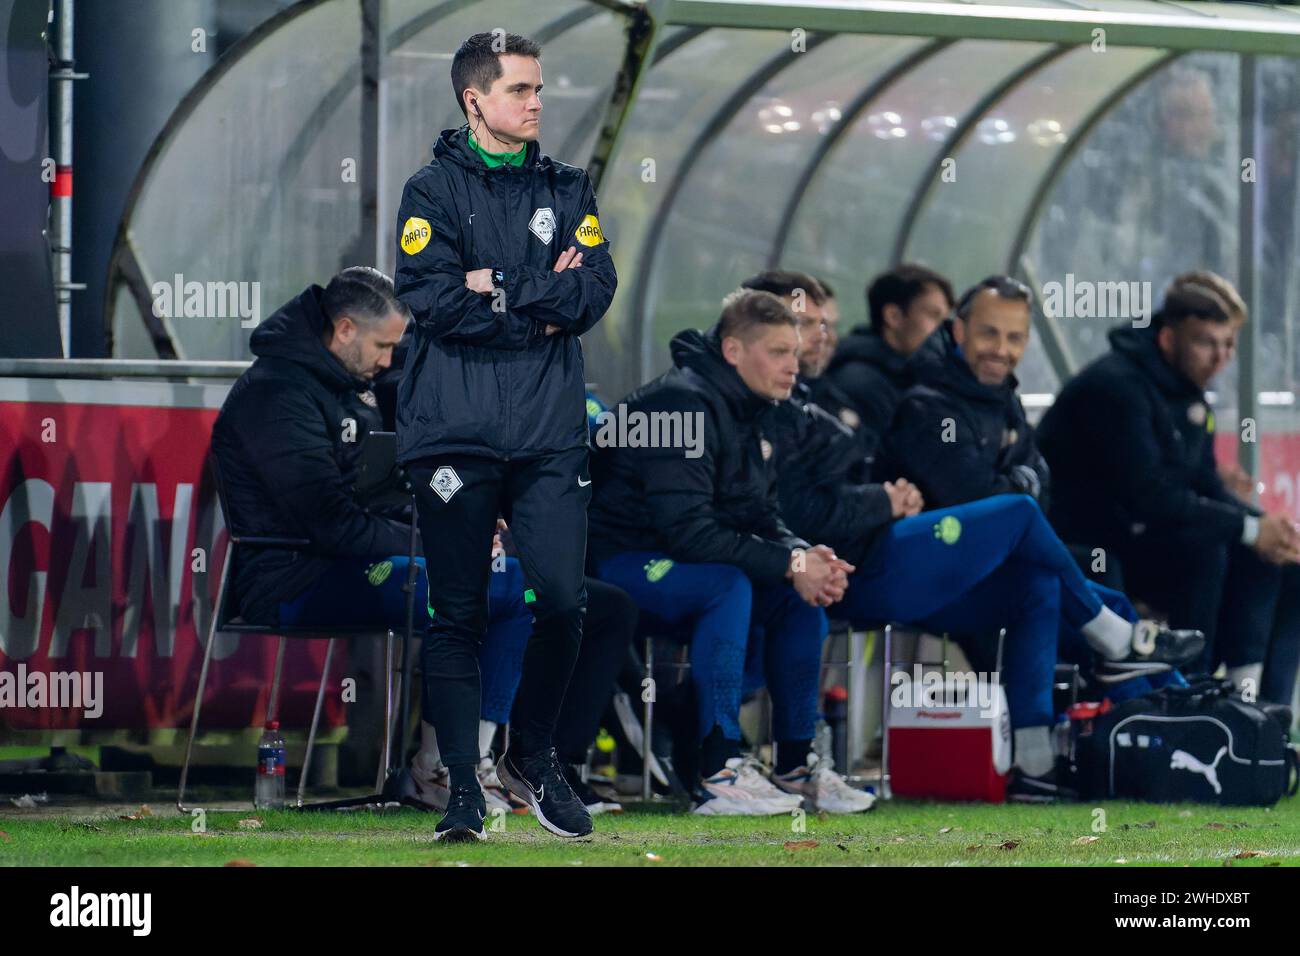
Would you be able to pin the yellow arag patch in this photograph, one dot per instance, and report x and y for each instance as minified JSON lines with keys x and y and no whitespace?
{"x":588,"y":232}
{"x":415,"y":235}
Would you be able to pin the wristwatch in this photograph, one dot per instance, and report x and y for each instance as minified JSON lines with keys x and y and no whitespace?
{"x":498,"y":278}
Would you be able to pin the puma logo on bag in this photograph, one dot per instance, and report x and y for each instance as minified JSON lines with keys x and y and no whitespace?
{"x":1182,"y":760}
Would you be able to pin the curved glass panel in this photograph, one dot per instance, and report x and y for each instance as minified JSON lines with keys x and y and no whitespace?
{"x":726,"y":216}
{"x":1152,"y":193}
{"x":847,"y":225}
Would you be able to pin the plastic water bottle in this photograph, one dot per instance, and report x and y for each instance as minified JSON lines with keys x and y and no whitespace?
{"x":836,"y":710}
{"x":269,"y":791}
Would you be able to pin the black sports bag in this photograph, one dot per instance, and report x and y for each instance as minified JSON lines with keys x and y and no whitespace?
{"x":1201,"y":743}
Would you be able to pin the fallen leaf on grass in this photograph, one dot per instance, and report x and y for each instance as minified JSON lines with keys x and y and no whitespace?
{"x":4,"y":836}
{"x":899,"y":840}
{"x":252,"y":823}
{"x":654,"y":857}
{"x":1085,"y":840}
{"x":1009,"y":845}
{"x":1247,"y":854}
{"x":793,"y":845}
{"x":239,"y":863}
{"x":1216,"y":826}
{"x":945,"y":829}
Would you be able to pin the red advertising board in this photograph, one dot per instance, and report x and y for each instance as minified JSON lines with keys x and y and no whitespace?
{"x":111,"y":547}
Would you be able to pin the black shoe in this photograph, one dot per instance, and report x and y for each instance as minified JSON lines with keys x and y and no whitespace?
{"x":539,"y":781}
{"x":1154,"y":644}
{"x":594,"y":802}
{"x":464,"y":820}
{"x":1022,"y":788}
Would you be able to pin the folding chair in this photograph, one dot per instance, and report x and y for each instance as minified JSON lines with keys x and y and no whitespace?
{"x":226,"y":619}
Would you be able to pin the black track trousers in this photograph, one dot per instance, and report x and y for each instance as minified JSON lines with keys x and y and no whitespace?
{"x":544,"y":501}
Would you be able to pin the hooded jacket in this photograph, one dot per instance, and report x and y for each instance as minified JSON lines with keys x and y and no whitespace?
{"x":822,"y":479}
{"x":720,"y":507}
{"x":1131,"y":445}
{"x":288,"y":460}
{"x":482,"y":376}
{"x":957,"y":439}
{"x":873,"y":377}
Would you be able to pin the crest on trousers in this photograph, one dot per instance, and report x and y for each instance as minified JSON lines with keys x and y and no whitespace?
{"x":445,"y":482}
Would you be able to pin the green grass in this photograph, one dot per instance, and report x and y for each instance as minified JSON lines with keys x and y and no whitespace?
{"x":897,"y":834}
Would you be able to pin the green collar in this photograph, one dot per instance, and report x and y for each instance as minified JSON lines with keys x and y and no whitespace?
{"x":493,"y":160}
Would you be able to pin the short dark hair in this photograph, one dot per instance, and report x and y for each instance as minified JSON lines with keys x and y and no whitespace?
{"x":826,"y":287}
{"x":745,"y":310}
{"x":1189,"y":300}
{"x":786,"y":282}
{"x":362,"y":293}
{"x":901,"y":286}
{"x":478,"y":61}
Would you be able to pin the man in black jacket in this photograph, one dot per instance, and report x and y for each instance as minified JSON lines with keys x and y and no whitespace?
{"x":960,"y":433}
{"x":691,"y":530}
{"x":1130,"y":440}
{"x":967,"y":570}
{"x":287,"y":437}
{"x":905,"y":305}
{"x":503,"y":264}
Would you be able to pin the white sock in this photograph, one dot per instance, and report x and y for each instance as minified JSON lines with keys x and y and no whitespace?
{"x":1109,"y":634}
{"x":487,"y":729}
{"x":1034,"y":751}
{"x":428,"y":758}
{"x":1241,"y":675}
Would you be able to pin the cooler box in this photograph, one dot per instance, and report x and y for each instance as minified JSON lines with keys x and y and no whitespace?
{"x":944,"y":752}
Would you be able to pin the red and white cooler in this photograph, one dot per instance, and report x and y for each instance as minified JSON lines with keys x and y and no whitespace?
{"x":944,"y":747}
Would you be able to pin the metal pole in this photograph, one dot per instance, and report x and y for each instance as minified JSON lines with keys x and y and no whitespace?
{"x":648,"y":736}
{"x":61,"y":188}
{"x":1247,"y":216}
{"x":373,"y":237}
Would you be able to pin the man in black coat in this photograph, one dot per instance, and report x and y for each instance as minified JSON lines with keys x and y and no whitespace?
{"x":287,"y":441}
{"x":685,"y":519}
{"x":503,"y":263}
{"x":960,"y":433}
{"x":1130,"y":440}
{"x":869,"y":366}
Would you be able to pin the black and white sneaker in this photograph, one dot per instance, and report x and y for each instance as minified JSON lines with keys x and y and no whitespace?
{"x":1155,"y":644}
{"x":464,"y":820}
{"x":593,"y":801}
{"x":1022,"y":788}
{"x":539,"y":781}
